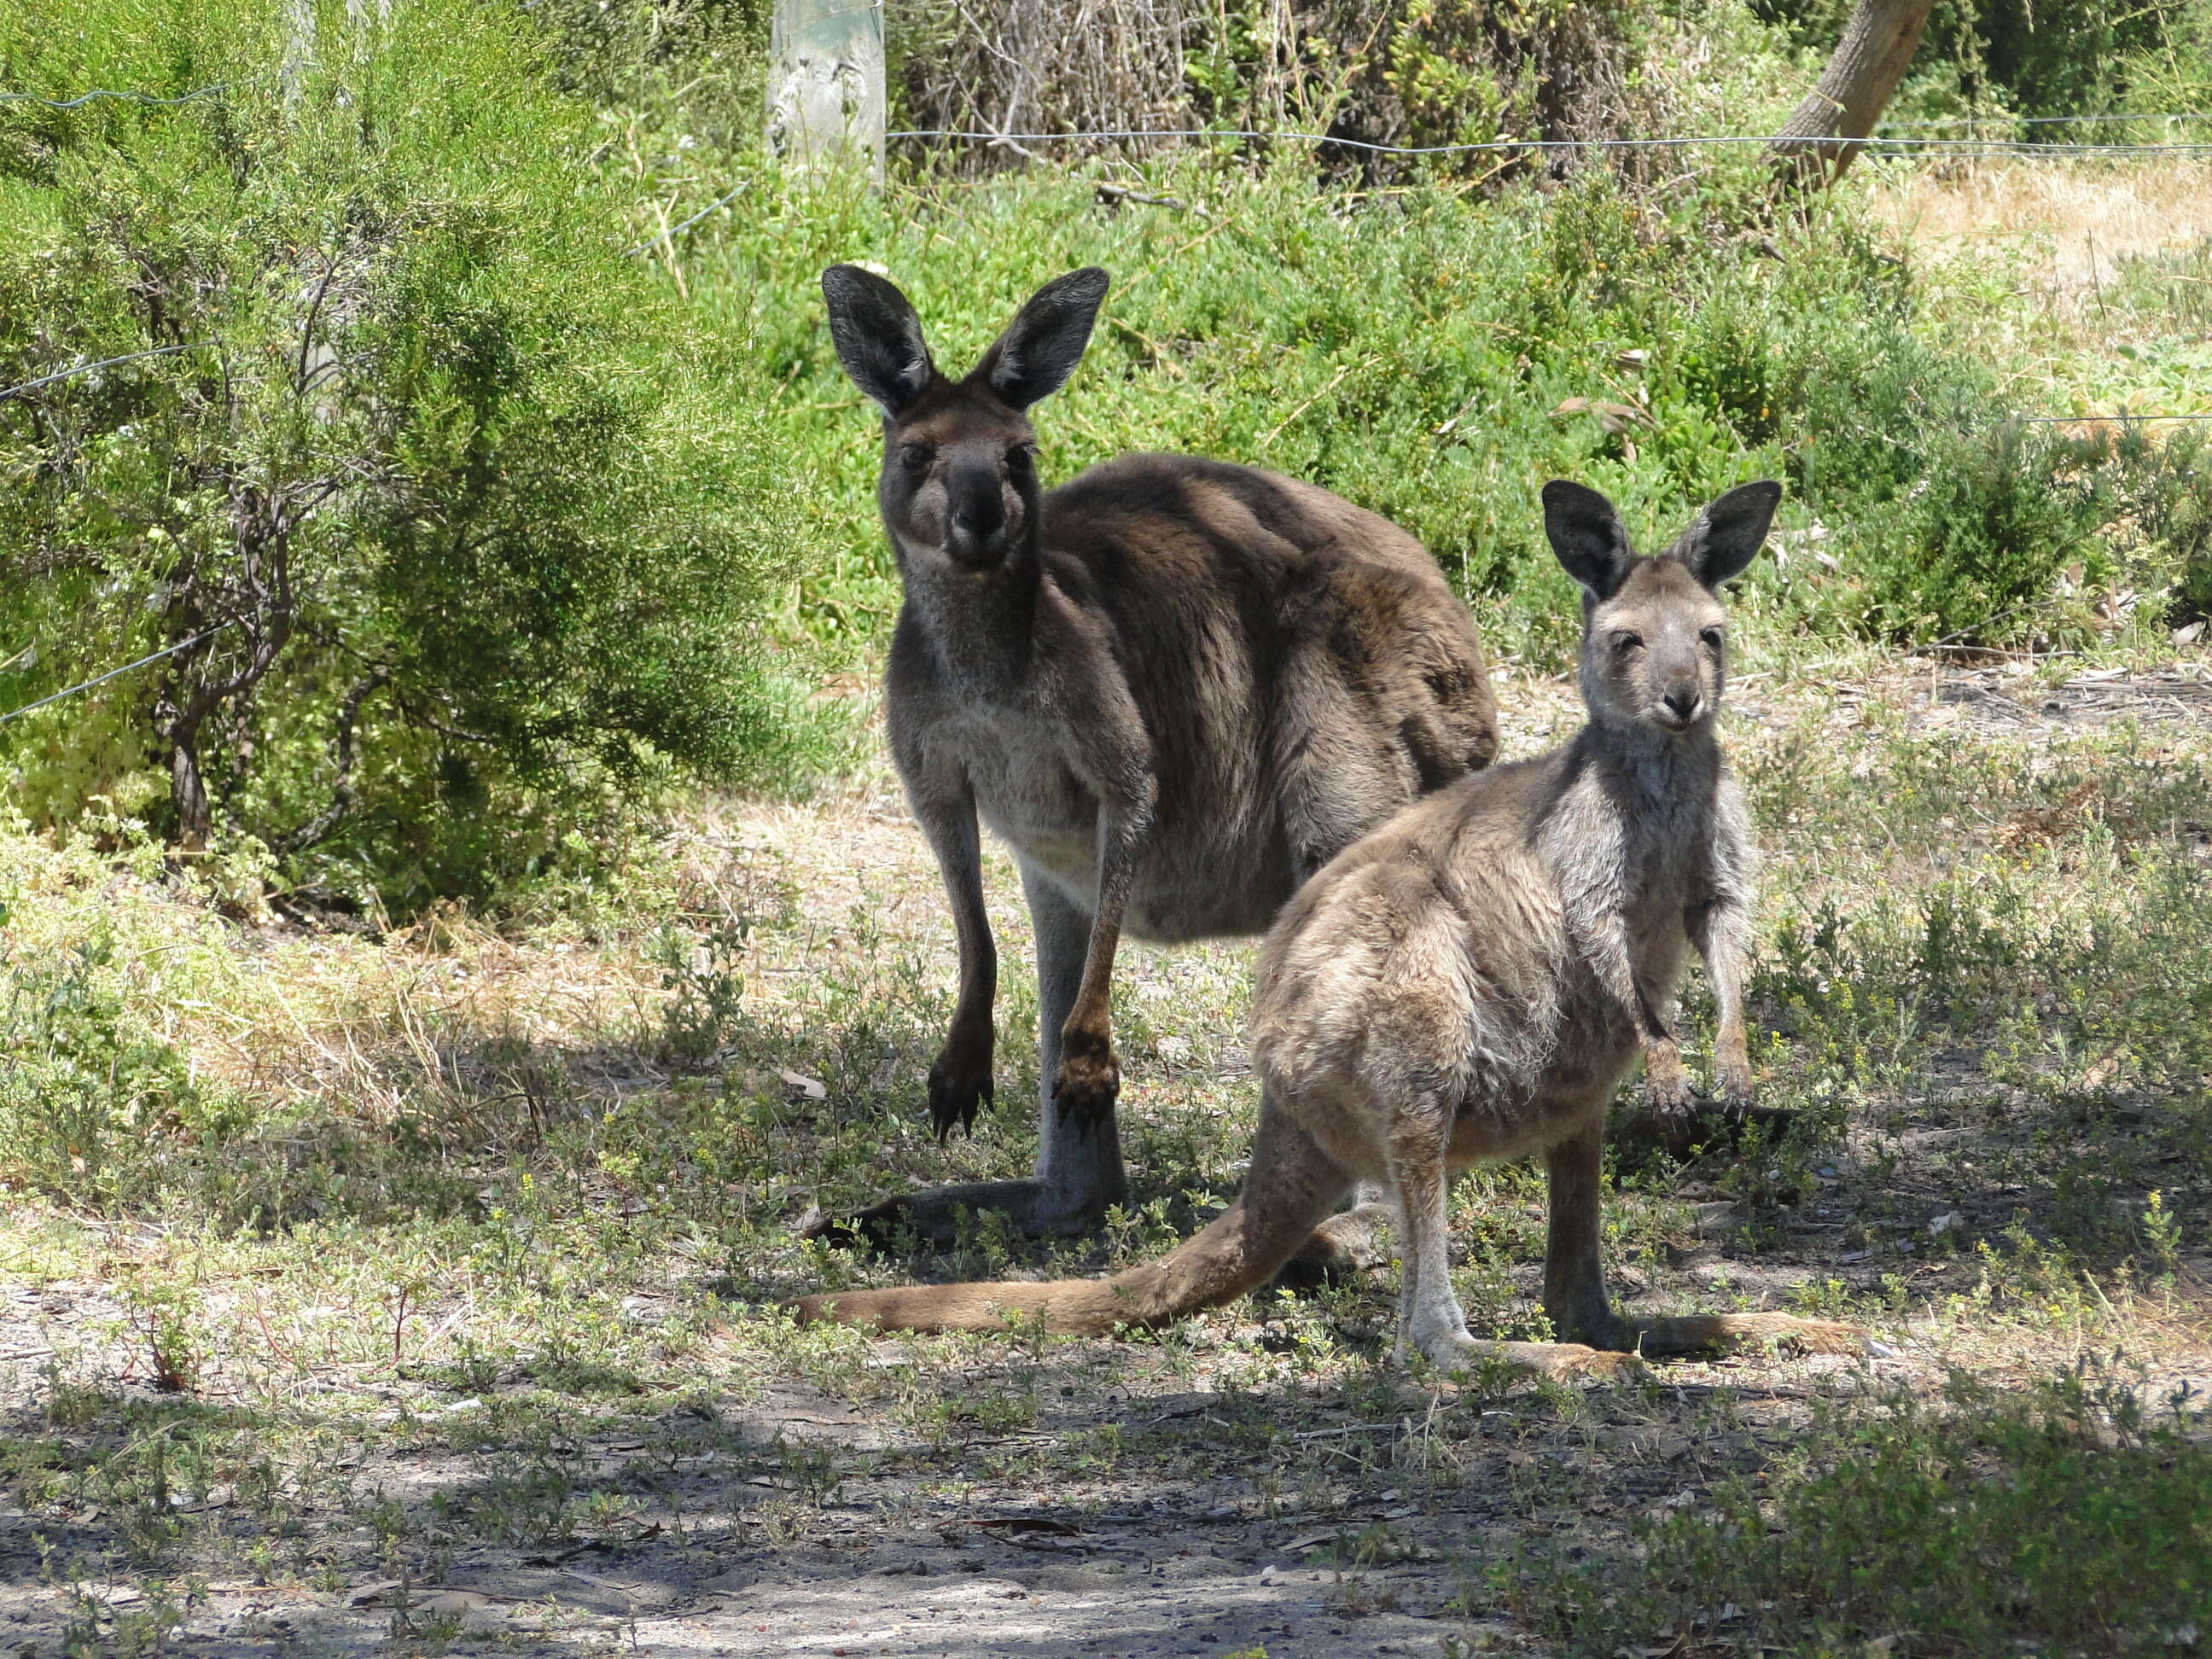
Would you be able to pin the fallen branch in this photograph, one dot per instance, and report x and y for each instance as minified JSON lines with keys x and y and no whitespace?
{"x":1110,"y":193}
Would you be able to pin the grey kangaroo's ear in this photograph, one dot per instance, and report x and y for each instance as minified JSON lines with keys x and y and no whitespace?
{"x":1588,"y":535}
{"x":1042,"y":346}
{"x":878,"y":337}
{"x":1727,"y":535}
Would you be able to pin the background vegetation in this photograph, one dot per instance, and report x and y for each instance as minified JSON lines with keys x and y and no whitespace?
{"x":361,"y":1264}
{"x":2003,"y":59}
{"x":484,"y":519}
{"x":508,"y":504}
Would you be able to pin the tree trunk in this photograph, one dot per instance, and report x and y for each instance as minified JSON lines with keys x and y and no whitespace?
{"x":188,"y":792}
{"x":257,"y":601}
{"x":1876,"y":50}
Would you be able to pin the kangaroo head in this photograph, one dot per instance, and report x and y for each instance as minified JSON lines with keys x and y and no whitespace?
{"x":959,"y":477}
{"x":1654,"y":641}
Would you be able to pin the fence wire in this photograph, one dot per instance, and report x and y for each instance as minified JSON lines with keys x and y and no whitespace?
{"x":102,"y":679}
{"x":1964,"y":147}
{"x":7,"y":393}
{"x":98,"y":93}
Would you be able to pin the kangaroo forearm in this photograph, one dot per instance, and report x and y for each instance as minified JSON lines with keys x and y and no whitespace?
{"x":1121,"y":846}
{"x":1720,"y":930}
{"x":979,"y":978}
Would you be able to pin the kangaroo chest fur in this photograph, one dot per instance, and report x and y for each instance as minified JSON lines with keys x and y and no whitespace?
{"x":1042,"y":741}
{"x":1664,"y":844}
{"x":1254,"y":671}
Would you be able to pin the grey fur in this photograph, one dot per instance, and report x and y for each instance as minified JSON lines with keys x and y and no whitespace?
{"x":1175,"y":688}
{"x":1473,"y":980}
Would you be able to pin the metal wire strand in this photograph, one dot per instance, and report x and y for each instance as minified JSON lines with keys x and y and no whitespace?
{"x":104,"y":363}
{"x":166,"y":651}
{"x":102,"y":92}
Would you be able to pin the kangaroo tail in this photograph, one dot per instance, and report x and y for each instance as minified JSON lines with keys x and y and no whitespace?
{"x":1708,"y":1334}
{"x":1291,"y":1186}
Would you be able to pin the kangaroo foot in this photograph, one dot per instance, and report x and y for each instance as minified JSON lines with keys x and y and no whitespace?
{"x":1462,"y":1352}
{"x":1341,"y":1246}
{"x":1721,"y":1333}
{"x":937,"y":1215}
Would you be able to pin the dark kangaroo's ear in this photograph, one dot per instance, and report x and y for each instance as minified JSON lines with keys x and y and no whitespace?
{"x":1042,"y":346}
{"x":878,"y":337}
{"x":1588,"y":535}
{"x":1728,"y":534}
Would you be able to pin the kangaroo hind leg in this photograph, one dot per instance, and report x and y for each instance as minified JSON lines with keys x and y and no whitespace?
{"x":1429,"y":1315}
{"x":1079,"y":1173}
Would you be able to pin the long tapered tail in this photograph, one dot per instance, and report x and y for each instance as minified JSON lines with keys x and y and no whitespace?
{"x":1291,"y":1187}
{"x":1672,"y":1336}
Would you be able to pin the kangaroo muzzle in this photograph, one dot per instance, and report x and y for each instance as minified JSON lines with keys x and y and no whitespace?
{"x":977,"y":526}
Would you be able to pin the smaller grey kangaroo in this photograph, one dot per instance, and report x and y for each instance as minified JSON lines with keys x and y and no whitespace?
{"x":1475,"y":979}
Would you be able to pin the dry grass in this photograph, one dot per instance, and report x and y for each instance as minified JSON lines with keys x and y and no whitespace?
{"x":2075,"y":225}
{"x":2069,"y":225}
{"x":2088,"y":278}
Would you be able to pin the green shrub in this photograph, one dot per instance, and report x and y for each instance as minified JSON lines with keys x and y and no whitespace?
{"x":1410,"y":352}
{"x":85,"y":1088}
{"x":489,"y":527}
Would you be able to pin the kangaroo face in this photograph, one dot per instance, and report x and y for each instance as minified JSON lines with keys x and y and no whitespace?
{"x":959,"y":477}
{"x":1656,"y":652}
{"x":1655,"y":640}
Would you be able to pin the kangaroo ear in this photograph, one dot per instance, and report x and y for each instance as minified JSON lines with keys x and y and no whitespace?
{"x":1042,"y":346}
{"x":1588,"y":535}
{"x":878,"y":337}
{"x":1727,"y":535}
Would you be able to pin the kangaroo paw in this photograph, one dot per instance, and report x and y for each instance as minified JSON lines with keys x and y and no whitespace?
{"x":956,"y":1095}
{"x":1085,"y":1087}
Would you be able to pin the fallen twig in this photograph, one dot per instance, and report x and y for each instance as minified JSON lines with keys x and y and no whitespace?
{"x":1110,"y":193}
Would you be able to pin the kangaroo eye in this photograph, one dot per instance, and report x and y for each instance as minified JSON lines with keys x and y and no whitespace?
{"x":1022,"y":457}
{"x":914,"y":457}
{"x":1711,"y":637}
{"x":1626,"y":643}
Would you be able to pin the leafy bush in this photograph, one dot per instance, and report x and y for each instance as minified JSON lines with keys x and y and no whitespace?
{"x":2088,"y":56}
{"x":1436,"y":357}
{"x":85,"y":1088}
{"x":483,"y":524}
{"x":1393,"y":72}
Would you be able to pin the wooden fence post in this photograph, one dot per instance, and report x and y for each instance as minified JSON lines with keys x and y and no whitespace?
{"x":825,"y":84}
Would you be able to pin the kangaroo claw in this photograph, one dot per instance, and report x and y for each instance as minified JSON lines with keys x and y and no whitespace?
{"x":954,"y":1101}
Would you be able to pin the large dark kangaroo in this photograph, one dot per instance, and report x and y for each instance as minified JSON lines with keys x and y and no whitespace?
{"x":1473,"y":980}
{"x":1175,"y":687}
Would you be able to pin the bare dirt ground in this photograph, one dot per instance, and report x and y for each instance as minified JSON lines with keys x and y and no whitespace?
{"x":689,"y":1478}
{"x":950,"y":1555}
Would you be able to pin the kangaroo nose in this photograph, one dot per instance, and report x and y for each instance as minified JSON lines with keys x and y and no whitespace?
{"x":978,"y":515}
{"x":1682,"y":702}
{"x":978,"y":512}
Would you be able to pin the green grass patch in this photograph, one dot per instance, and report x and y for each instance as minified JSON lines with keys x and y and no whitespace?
{"x":2068,"y":1518}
